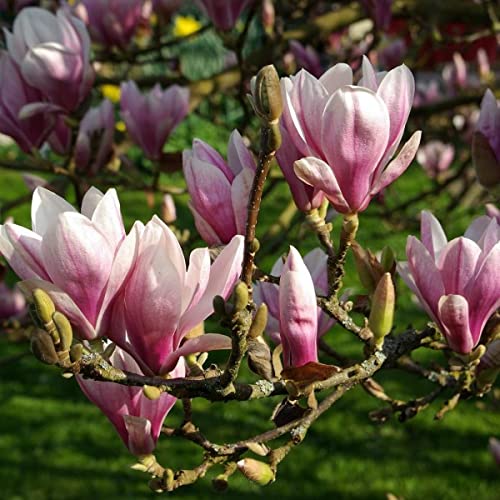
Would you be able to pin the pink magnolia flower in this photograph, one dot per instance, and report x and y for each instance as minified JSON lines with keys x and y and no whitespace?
{"x":379,"y":11}
{"x":137,"y":419}
{"x":94,"y":143}
{"x":457,"y":282}
{"x":29,"y":132}
{"x":495,"y":449}
{"x":222,"y":13}
{"x":12,"y":301}
{"x":111,"y":22}
{"x":298,"y":317}
{"x":151,"y":118}
{"x":488,"y":124}
{"x":435,"y":157}
{"x":52,"y":52}
{"x":80,"y":259}
{"x":269,"y":293}
{"x":306,"y":58}
{"x":393,"y":53}
{"x":348,"y":133}
{"x":219,"y":190}
{"x":163,"y":300}
{"x":455,"y":74}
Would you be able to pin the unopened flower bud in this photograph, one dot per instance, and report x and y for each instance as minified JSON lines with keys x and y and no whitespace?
{"x":64,"y":330}
{"x":220,"y":483}
{"x":486,"y":165}
{"x":240,"y":296}
{"x":259,"y":322}
{"x":363,"y":266}
{"x":256,"y":471}
{"x":76,"y":352}
{"x":43,"y":348}
{"x":266,"y":94}
{"x":388,"y":259}
{"x":268,"y":15}
{"x":168,"y":210}
{"x":259,"y":358}
{"x":219,"y":306}
{"x":382,"y":311}
{"x":44,"y":306}
{"x":495,"y":449}
{"x":151,"y":392}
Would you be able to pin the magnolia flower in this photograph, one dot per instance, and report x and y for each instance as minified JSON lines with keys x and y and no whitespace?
{"x":435,"y":157}
{"x":80,"y":259}
{"x":111,"y":22}
{"x":94,"y":143}
{"x":298,"y":318}
{"x":12,"y":302}
{"x":306,"y":58}
{"x":393,"y":53}
{"x":348,"y":133}
{"x":457,"y":282}
{"x":163,"y":300}
{"x":137,"y":419}
{"x":52,"y":53}
{"x":455,"y":74}
{"x":219,"y":190}
{"x":222,"y":13}
{"x":151,"y":118}
{"x":486,"y":143}
{"x":379,"y":11}
{"x":15,"y":94}
{"x":495,"y":449}
{"x":269,"y":293}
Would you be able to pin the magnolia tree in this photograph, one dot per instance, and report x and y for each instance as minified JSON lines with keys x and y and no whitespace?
{"x":122,"y":309}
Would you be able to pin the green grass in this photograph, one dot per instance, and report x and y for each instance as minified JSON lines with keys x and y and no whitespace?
{"x":55,"y":445}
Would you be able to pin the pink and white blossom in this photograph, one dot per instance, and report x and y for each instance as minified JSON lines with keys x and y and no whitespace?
{"x":347,"y":134}
{"x":298,"y":316}
{"x":151,"y":118}
{"x":456,"y":282}
{"x":137,"y":419}
{"x":80,"y":259}
{"x":52,"y":53}
{"x":269,"y":293}
{"x":163,"y":299}
{"x":219,"y":190}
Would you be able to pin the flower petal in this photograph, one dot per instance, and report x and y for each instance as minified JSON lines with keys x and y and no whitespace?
{"x":78,"y":259}
{"x":65,"y":304}
{"x":224,"y":273}
{"x":204,"y":343}
{"x":454,"y":318}
{"x":45,"y":208}
{"x":318,"y":174}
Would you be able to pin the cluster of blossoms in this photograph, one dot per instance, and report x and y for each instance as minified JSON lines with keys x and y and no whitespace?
{"x":341,"y":144}
{"x":134,"y":289}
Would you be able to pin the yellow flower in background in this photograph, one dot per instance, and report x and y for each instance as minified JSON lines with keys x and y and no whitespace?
{"x":120,"y":126}
{"x":185,"y":26}
{"x":111,"y":92}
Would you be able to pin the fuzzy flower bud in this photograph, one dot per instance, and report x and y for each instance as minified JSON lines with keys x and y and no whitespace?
{"x":382,"y":311}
